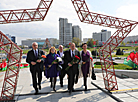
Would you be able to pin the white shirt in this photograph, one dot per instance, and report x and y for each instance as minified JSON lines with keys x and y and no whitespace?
{"x":73,"y":52}
{"x":36,"y":51}
{"x":61,"y":53}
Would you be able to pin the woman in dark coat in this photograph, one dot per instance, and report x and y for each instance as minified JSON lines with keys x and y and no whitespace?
{"x":51,"y":69}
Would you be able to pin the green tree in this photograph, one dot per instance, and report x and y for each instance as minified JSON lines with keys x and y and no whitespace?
{"x":122,"y":43}
{"x":77,"y":41}
{"x":90,"y":42}
{"x":136,"y":49}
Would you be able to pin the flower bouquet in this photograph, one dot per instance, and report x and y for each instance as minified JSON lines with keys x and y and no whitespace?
{"x":58,"y":59}
{"x":75,"y":59}
{"x":43,"y":56}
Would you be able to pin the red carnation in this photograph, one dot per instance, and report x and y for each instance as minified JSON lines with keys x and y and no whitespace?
{"x":91,"y":58}
{"x":77,"y":57}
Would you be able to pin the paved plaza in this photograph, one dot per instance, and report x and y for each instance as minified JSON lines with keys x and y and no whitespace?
{"x":128,"y":90}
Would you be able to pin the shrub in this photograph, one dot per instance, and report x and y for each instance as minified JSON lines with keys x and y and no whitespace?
{"x":136,"y":49}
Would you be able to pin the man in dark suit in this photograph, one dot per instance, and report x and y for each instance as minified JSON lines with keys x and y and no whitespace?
{"x":62,"y":72}
{"x":73,"y":70}
{"x":36,"y":65}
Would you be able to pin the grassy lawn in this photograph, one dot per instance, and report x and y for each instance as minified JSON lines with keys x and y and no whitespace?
{"x":125,"y":55}
{"x":129,"y":48}
{"x":119,"y":66}
{"x":92,"y":49}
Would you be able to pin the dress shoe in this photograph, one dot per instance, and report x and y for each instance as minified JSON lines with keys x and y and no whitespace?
{"x":54,"y":89}
{"x":85,"y":88}
{"x":39,"y":87}
{"x":70,"y":91}
{"x":73,"y":90}
{"x":36,"y":91}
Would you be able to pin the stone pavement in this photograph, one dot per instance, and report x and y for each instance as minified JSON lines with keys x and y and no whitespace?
{"x":25,"y":91}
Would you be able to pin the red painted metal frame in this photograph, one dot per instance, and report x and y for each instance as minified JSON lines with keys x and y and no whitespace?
{"x":11,"y":75}
{"x":123,"y":26}
{"x":26,"y":15}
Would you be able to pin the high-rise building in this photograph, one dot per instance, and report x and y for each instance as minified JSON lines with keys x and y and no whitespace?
{"x":8,"y":35}
{"x":76,"y":32}
{"x":13,"y":38}
{"x":102,"y":36}
{"x":65,"y":31}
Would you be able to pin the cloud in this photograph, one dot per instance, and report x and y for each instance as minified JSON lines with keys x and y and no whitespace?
{"x":50,"y":26}
{"x":129,"y":12}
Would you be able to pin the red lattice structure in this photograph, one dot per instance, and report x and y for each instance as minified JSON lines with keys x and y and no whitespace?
{"x":14,"y":54}
{"x":123,"y":26}
{"x":26,"y":15}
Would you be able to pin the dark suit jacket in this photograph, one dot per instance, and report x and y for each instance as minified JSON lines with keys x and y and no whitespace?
{"x":31,"y":57}
{"x":68,"y":59}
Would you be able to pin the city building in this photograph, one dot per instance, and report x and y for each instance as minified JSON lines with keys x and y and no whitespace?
{"x":28,"y":42}
{"x":65,"y":31}
{"x":76,"y":32}
{"x":131,"y":39}
{"x":12,"y":38}
{"x":102,"y":36}
{"x":85,"y":40}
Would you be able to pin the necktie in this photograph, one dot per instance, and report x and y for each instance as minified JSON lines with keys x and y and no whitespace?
{"x":72,"y":54}
{"x":35,"y":53}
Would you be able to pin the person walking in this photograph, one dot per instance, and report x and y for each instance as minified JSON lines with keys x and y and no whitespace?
{"x":73,"y":68}
{"x":86,"y":64}
{"x":51,"y":66}
{"x":36,"y":65}
{"x":62,"y":72}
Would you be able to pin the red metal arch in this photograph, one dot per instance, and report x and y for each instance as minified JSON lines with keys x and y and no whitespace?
{"x":11,"y":75}
{"x":123,"y":26}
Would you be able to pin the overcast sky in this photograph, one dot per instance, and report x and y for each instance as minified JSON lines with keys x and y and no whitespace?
{"x":48,"y":28}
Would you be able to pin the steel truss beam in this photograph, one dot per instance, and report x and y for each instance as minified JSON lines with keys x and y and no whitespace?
{"x":14,"y":54}
{"x":123,"y":26}
{"x":26,"y":15}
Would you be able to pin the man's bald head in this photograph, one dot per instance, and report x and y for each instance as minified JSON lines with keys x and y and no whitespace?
{"x":60,"y":48}
{"x":34,"y":45}
{"x":72,"y":46}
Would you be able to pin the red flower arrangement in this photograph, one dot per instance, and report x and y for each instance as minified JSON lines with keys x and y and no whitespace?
{"x":43,"y":56}
{"x":91,"y":58}
{"x":75,"y":59}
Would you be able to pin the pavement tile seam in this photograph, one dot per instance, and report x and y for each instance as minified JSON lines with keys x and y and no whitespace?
{"x":132,"y":96}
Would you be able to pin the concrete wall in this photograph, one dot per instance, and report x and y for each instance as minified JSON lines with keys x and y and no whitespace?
{"x":122,"y":73}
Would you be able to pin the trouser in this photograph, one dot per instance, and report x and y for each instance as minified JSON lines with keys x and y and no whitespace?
{"x":76,"y":77}
{"x":61,"y":76}
{"x":71,"y":77}
{"x":36,"y":74}
{"x":85,"y":81}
